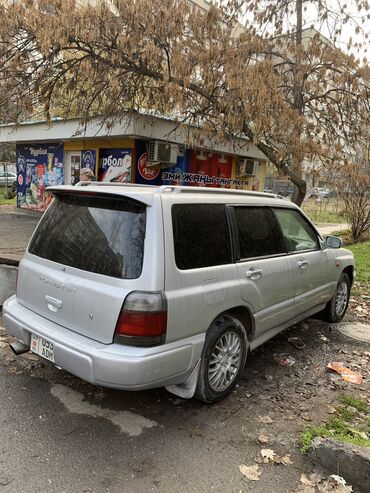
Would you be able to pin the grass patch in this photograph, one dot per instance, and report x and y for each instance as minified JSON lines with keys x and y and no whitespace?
{"x":327,"y":211}
{"x":360,"y":405}
{"x":349,"y":424}
{"x":362,"y":258}
{"x":3,"y":198}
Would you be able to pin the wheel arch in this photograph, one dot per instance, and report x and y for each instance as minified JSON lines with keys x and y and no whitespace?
{"x":349,"y":270}
{"x":245,"y":317}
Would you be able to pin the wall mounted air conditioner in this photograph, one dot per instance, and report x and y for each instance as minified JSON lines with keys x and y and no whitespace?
{"x":161,"y":153}
{"x":246,"y":167}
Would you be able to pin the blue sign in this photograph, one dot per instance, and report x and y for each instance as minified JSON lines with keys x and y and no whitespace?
{"x":89,"y":159}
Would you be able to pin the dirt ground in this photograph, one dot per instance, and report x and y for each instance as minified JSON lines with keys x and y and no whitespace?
{"x":273,"y":400}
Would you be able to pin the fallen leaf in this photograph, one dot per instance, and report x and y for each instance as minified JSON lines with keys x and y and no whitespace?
{"x":285,"y":459}
{"x":305,"y":480}
{"x":252,"y":473}
{"x":263,"y":439}
{"x":338,"y":479}
{"x":265,"y":420}
{"x":331,"y":409}
{"x":267,"y":455}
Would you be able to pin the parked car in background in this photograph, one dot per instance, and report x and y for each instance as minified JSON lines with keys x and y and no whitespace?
{"x":136,"y":287}
{"x":319,"y":193}
{"x":8,"y":178}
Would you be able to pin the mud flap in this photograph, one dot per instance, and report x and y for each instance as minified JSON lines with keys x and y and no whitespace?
{"x":186,"y":389}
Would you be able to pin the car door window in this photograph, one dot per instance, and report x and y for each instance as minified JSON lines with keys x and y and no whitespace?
{"x":201,"y":235}
{"x":298,"y":234}
{"x":258,"y":232}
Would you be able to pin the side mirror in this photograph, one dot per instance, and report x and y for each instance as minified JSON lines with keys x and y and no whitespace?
{"x":333,"y":242}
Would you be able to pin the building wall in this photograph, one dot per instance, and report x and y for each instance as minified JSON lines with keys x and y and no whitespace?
{"x":40,"y":165}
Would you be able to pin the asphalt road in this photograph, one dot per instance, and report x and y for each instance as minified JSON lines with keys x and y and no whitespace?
{"x":59,"y":434}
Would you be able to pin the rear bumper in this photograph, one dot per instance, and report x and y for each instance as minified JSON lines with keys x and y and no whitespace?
{"x":108,"y":365}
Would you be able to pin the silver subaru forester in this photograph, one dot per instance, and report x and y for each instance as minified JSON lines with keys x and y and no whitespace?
{"x":135,"y":287}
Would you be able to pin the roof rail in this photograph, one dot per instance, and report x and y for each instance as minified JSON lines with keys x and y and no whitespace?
{"x":160,"y":189}
{"x":209,"y":190}
{"x":111,"y":184}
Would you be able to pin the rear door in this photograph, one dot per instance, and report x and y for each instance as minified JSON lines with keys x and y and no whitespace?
{"x":85,"y":256}
{"x":264,"y":270}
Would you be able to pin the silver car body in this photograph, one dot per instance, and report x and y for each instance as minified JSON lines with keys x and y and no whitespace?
{"x":7,"y":178}
{"x":78,"y":310}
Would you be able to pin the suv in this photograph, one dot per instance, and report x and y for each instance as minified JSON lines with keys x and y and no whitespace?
{"x":135,"y":287}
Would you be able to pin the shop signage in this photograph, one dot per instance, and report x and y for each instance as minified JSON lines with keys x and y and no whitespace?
{"x":38,"y":166}
{"x":202,"y":179}
{"x":148,"y":173}
{"x":115,"y":165}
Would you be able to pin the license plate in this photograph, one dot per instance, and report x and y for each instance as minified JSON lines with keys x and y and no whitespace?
{"x":42,"y":347}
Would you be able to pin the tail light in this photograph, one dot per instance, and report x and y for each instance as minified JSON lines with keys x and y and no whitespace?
{"x":143,"y":319}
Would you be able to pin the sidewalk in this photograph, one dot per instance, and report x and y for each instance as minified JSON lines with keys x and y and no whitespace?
{"x":327,"y":229}
{"x":16,"y":228}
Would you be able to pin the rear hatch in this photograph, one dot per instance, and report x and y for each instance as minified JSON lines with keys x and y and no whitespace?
{"x":85,"y":256}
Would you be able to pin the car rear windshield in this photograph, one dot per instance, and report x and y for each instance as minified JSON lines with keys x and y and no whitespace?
{"x":104,"y":234}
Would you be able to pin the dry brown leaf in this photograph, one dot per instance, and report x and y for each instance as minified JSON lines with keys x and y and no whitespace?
{"x":252,"y":472}
{"x":263,"y":439}
{"x":284,"y":459}
{"x":268,"y":453}
{"x":265,"y":420}
{"x":305,"y":480}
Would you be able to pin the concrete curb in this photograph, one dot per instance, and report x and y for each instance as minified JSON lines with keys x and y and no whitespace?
{"x":349,"y":461}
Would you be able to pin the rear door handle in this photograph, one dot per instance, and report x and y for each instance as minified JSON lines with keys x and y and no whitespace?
{"x":254,"y":273}
{"x":53,"y":303}
{"x":303,"y":264}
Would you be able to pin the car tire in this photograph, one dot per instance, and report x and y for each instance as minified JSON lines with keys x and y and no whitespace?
{"x":337,"y":306}
{"x":223,"y":359}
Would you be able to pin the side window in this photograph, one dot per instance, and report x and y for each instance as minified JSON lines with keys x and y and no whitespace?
{"x":259,"y":234}
{"x":298,"y":233}
{"x":201,"y":235}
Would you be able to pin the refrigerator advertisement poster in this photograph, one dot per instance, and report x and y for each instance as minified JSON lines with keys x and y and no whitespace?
{"x":38,"y":166}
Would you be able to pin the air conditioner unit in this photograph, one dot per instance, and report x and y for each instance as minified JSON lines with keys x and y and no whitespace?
{"x":246,"y":167}
{"x":161,"y":152}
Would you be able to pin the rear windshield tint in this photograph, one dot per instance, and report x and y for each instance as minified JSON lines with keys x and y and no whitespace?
{"x":104,"y":235}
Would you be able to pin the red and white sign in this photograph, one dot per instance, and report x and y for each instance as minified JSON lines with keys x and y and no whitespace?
{"x":148,"y":173}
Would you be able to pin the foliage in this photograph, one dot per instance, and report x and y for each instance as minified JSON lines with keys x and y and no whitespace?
{"x":297,"y":98}
{"x":350,"y":424}
{"x":5,"y":199}
{"x":362,"y":258}
{"x":352,"y":181}
{"x":326,"y":211}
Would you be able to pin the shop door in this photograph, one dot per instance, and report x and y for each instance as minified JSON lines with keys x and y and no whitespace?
{"x":73,"y":165}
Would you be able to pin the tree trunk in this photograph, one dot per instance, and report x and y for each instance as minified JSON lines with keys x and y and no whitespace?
{"x":300,"y":185}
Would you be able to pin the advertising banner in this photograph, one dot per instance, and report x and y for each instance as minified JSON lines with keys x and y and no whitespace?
{"x":38,"y":166}
{"x":154,"y":175}
{"x":115,"y":165}
{"x":89,"y":159}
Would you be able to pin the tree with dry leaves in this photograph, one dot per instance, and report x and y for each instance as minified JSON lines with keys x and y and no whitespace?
{"x":297,"y":100}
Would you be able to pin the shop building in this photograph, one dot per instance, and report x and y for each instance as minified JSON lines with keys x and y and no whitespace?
{"x":140,"y":149}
